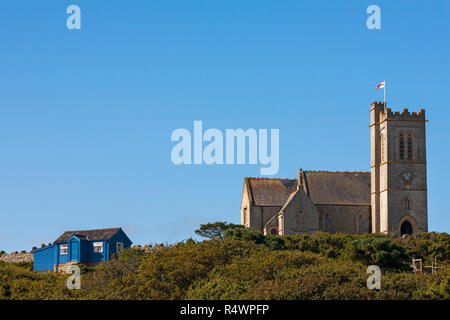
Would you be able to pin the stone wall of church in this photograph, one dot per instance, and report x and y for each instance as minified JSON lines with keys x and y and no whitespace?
{"x":416,"y":214}
{"x":300,"y":215}
{"x":255,"y":216}
{"x":344,"y":218}
{"x":259,"y":216}
{"x":245,"y":207}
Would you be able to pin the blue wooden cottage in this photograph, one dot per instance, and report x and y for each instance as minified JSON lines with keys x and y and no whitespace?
{"x":89,"y":247}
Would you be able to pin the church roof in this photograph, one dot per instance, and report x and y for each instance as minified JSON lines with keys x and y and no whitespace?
{"x":337,"y":187}
{"x":270,"y":192}
{"x":323,"y":187}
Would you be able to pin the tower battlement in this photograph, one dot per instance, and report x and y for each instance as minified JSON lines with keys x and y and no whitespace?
{"x":377,"y":105}
{"x":405,"y":115}
{"x":380,"y":114}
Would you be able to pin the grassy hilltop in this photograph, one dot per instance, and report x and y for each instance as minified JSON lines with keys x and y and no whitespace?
{"x":238,"y":263}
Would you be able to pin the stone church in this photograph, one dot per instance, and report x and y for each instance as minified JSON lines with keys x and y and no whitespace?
{"x":391,"y":198}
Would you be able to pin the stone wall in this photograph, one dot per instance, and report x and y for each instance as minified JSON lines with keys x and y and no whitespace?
{"x":344,"y":218}
{"x":149,"y":248}
{"x":17,"y":257}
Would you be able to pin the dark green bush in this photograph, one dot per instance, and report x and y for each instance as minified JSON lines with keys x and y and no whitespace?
{"x":382,"y":252}
{"x":246,"y":234}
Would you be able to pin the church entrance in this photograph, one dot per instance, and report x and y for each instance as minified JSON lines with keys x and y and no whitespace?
{"x":406,"y":228}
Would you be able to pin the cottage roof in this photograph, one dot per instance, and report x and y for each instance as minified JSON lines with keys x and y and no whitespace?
{"x":96,"y":234}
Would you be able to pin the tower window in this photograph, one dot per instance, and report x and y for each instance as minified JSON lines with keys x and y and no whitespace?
{"x":410,"y":147}
{"x":407,"y":204}
{"x":401,"y":147}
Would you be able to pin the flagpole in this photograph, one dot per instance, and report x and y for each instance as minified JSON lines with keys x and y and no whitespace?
{"x":385,"y":93}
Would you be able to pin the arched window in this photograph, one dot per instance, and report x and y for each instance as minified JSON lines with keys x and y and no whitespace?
{"x":361,"y":224}
{"x":401,"y":147}
{"x":300,"y":221}
{"x":410,"y":147}
{"x":326,"y":223}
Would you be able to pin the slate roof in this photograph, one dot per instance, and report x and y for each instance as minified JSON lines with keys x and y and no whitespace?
{"x":271,"y":192}
{"x":323,"y":187}
{"x":97,"y":234}
{"x":335,"y":187}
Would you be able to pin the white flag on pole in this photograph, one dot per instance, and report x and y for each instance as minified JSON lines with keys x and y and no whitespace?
{"x":381,"y":85}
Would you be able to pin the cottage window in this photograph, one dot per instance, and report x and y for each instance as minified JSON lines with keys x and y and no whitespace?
{"x":98,"y":246}
{"x":119,"y":246}
{"x":64,"y":249}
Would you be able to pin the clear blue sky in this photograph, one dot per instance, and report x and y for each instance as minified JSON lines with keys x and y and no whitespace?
{"x":86,"y":115}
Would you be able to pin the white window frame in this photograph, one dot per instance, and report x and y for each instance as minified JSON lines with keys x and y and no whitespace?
{"x":64,"y":249}
{"x":117,"y":246}
{"x":98,"y":244}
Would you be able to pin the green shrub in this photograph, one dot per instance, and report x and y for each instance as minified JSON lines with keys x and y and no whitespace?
{"x":245,"y":264}
{"x":382,"y":252}
{"x":246,"y":234}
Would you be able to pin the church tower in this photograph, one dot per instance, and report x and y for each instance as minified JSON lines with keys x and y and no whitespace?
{"x":398,"y":171}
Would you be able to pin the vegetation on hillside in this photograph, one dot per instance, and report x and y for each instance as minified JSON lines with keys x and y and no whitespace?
{"x":239,"y":263}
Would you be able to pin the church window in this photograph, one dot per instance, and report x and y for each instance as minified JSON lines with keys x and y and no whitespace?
{"x":410,"y":147}
{"x":245,"y":217}
{"x":326,"y":223}
{"x":273,"y":231}
{"x":361,"y":224}
{"x":300,"y":221}
{"x":401,"y":148}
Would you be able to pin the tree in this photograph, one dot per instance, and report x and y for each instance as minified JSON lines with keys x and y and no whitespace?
{"x":216,"y":230}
